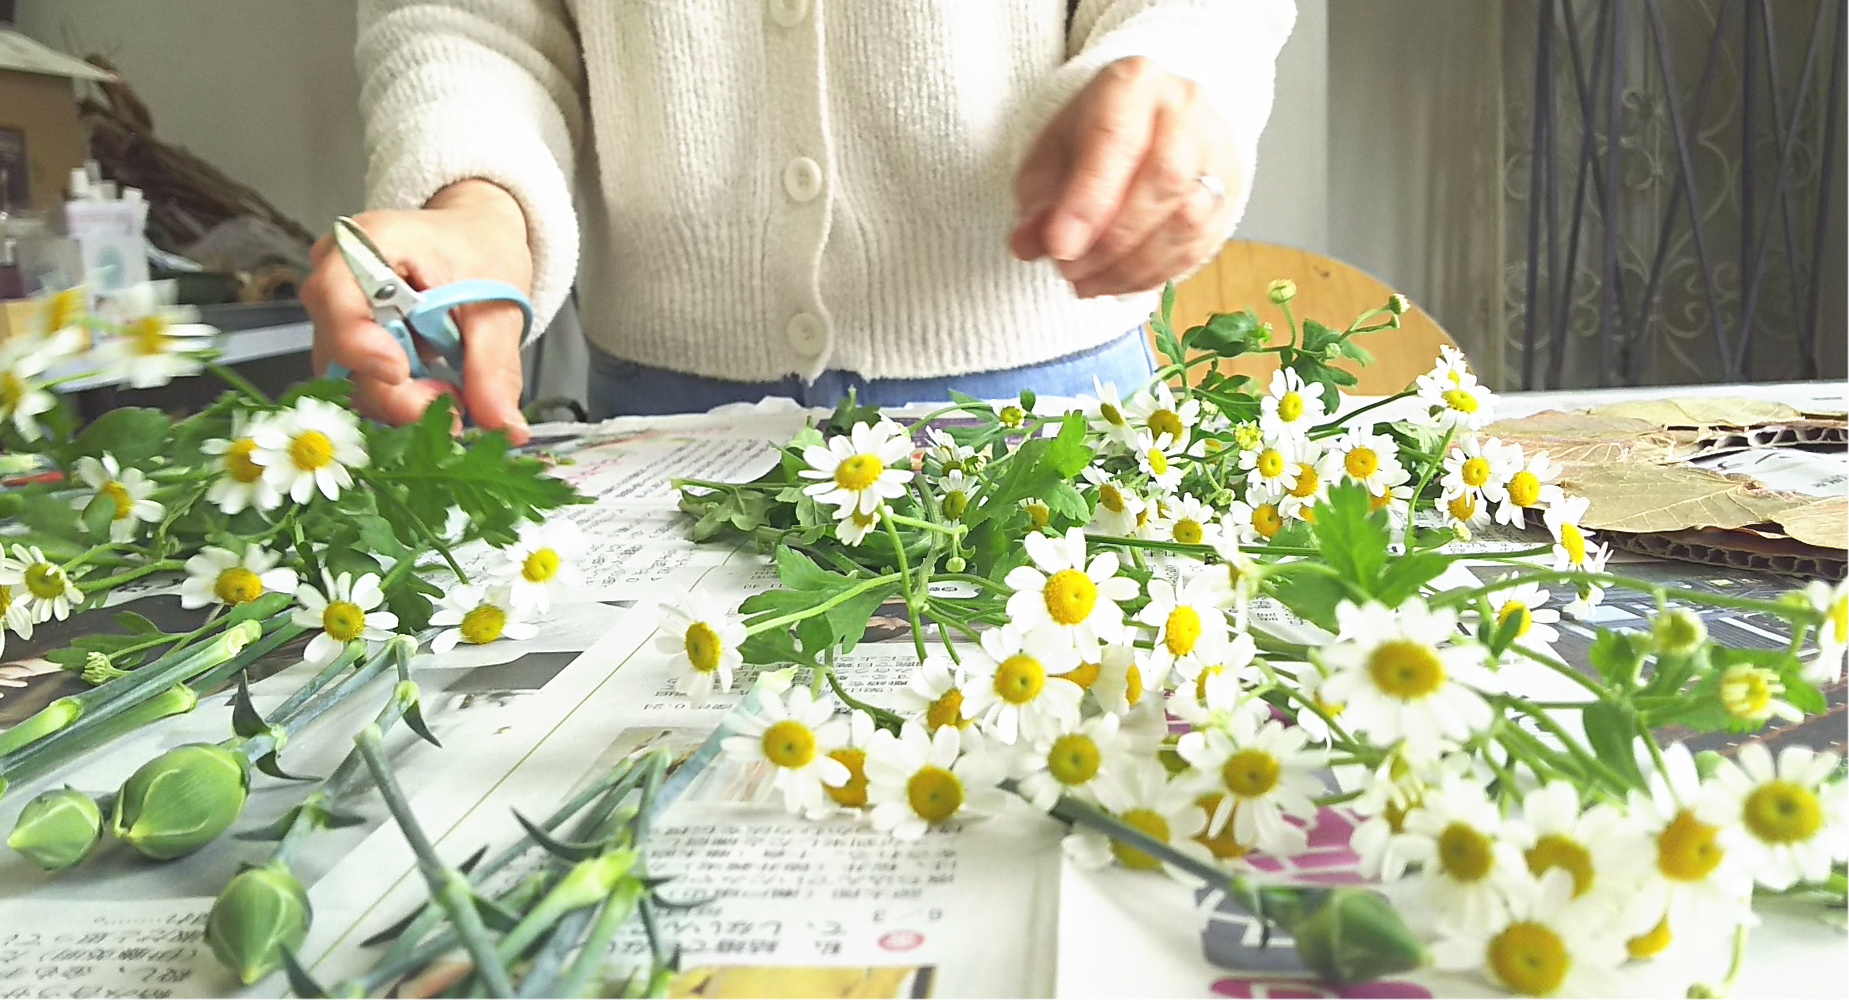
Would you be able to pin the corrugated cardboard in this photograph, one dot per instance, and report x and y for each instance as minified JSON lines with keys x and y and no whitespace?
{"x":39,"y":131}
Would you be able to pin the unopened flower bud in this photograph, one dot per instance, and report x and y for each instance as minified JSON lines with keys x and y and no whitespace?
{"x":1281,"y":291}
{"x":181,"y":800}
{"x":1397,"y":304}
{"x":261,"y":912}
{"x":955,"y":564}
{"x":955,"y":503}
{"x":1038,"y":514}
{"x":1355,"y":936}
{"x":57,"y":829}
{"x":1011,"y":416}
{"x":1677,"y":632}
{"x":99,"y":669}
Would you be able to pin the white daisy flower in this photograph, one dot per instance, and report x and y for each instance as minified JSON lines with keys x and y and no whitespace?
{"x":1587,"y":596}
{"x":1118,"y":509}
{"x":41,"y":589}
{"x":1236,"y":578}
{"x":1015,"y":685}
{"x":791,"y":733}
{"x":159,"y":341}
{"x":1254,"y":520}
{"x":475,"y":614}
{"x":1402,"y":780}
{"x":1395,"y":498}
{"x":1211,"y":691}
{"x":851,"y":753}
{"x":343,"y":611}
{"x":1063,"y":591}
{"x":1599,"y":848}
{"x":1366,"y":456}
{"x":1458,"y":401}
{"x":1831,"y":601}
{"x":1271,"y":466}
{"x":1290,"y":407}
{"x":61,"y":318}
{"x":1142,"y":796}
{"x":1188,"y":521}
{"x":702,"y":643}
{"x":220,"y":576}
{"x":1544,"y":944}
{"x":23,"y":358}
{"x":241,"y":483}
{"x":852,"y":526}
{"x":1261,"y":773}
{"x":1190,"y":627}
{"x":1573,"y":545}
{"x":859,"y":470}
{"x":127,"y":491}
{"x":1522,"y":604}
{"x":542,"y":562}
{"x":945,"y":455}
{"x":1751,"y":694}
{"x":1107,"y":416}
{"x":1479,"y":468}
{"x":1307,"y":489}
{"x":1155,"y":456}
{"x":918,"y":780}
{"x":955,"y":491}
{"x":1155,"y":411}
{"x":1530,"y":487}
{"x":933,"y":695}
{"x":309,"y":448}
{"x":1466,"y":852}
{"x":1119,"y":687}
{"x":1694,"y":877}
{"x":1785,"y":821}
{"x":1071,"y":762}
{"x":1464,"y":513}
{"x":1401,"y":674}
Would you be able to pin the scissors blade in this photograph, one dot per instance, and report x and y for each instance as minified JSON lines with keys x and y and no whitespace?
{"x":384,"y":289}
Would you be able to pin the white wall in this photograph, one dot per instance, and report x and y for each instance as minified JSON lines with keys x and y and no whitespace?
{"x":264,"y":90}
{"x":1290,"y":195}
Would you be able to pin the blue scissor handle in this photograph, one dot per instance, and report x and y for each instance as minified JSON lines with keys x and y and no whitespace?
{"x":430,"y":320}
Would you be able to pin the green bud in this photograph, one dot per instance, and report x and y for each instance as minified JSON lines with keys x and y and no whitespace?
{"x":1355,"y":936}
{"x":1281,"y":291}
{"x":98,"y":668}
{"x":261,"y":912}
{"x":955,"y":564}
{"x":58,"y":829}
{"x":955,"y":503}
{"x":590,"y":880}
{"x":1677,"y":632}
{"x":1397,"y":304}
{"x":1028,"y":399}
{"x":1011,"y":416}
{"x":181,"y":800}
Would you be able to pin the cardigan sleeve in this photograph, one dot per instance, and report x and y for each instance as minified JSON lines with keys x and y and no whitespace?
{"x":478,"y":89}
{"x":1228,"y":47}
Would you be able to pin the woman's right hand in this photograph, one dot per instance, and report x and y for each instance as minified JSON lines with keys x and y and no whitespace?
{"x":471,"y":229}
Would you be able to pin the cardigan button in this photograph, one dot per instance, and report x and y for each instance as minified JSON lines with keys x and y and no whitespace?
{"x":807,"y":334}
{"x":802,"y":179}
{"x":788,"y":13}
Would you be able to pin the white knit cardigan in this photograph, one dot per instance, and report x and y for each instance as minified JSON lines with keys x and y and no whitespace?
{"x":752,"y":188}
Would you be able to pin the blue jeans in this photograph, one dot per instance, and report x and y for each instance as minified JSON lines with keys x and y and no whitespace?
{"x":625,"y":388}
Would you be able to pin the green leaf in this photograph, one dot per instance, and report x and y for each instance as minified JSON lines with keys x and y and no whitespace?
{"x":1311,"y":597}
{"x":98,"y":514}
{"x":1611,"y":726}
{"x":1228,"y":335}
{"x":1616,"y":656}
{"x":1405,"y":576}
{"x":770,"y":647}
{"x":799,"y":572}
{"x":1353,"y":538}
{"x":246,"y":721}
{"x":131,"y":433}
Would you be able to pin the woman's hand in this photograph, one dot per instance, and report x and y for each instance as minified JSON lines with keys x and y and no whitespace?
{"x":471,"y":229}
{"x":1112,"y":188}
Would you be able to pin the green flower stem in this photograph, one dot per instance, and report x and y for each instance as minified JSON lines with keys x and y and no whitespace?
{"x":1431,"y":469}
{"x":1598,"y":691}
{"x":908,"y":588}
{"x":144,"y":570}
{"x":88,"y":554}
{"x":1589,"y":761}
{"x":1336,"y":729}
{"x":383,"y":491}
{"x":954,"y":531}
{"x":447,"y":885}
{"x":940,"y":615}
{"x":619,"y":907}
{"x":340,"y":664}
{"x":242,"y":385}
{"x":284,"y":726}
{"x":1195,"y":550}
{"x":1336,"y":425}
{"x":833,"y":602}
{"x":885,"y":719}
{"x":1798,"y":615}
{"x":979,"y":582}
{"x":1725,"y":987}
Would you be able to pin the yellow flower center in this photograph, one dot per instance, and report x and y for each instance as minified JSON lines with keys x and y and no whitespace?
{"x":45,"y":581}
{"x":1250,"y":773}
{"x":1019,"y":679}
{"x":853,"y":793}
{"x":1379,"y":501}
{"x":6,"y":599}
{"x":484,"y":624}
{"x":934,"y":793}
{"x":12,"y":390}
{"x":1838,"y":620}
{"x":1158,"y":462}
{"x":859,"y":472}
{"x":148,"y":336}
{"x":1111,"y":414}
{"x":1133,"y":685}
{"x":1782,"y":812}
{"x":1686,"y":850}
{"x":239,"y":464}
{"x":311,"y":450}
{"x":1084,"y":675}
{"x":1165,"y":422}
{"x":1529,"y":958}
{"x":702,"y":646}
{"x":1524,"y":489}
{"x":1651,"y":942}
{"x":1182,"y":631}
{"x":788,"y":744}
{"x":1556,"y":851}
{"x":1462,"y":507}
{"x":61,"y":310}
{"x":1111,"y":498}
{"x":237,"y":585}
{"x":343,"y":621}
{"x":1222,"y":845}
{"x":1307,"y":482}
{"x":1747,"y":692}
{"x":1011,"y":416}
{"x":1461,"y":401}
{"x":1290,"y":407}
{"x":1270,"y":464}
{"x":1205,"y":677}
{"x":1361,"y":463}
{"x":540,"y":566}
{"x":1475,"y":472}
{"x":1574,"y":542}
{"x":947,"y":710}
{"x":1073,"y":759}
{"x":1524,"y":618}
{"x":1038,"y":514}
{"x":1266,"y":520}
{"x":1464,"y":853}
{"x":117,"y":495}
{"x":1405,"y":669}
{"x":1070,"y":595}
{"x":1145,"y":821}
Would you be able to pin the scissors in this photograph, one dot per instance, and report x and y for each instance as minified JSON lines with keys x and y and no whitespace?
{"x":410,"y":315}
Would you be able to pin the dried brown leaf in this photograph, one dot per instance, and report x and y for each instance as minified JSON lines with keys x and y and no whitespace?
{"x":1823,"y":523}
{"x":1721,"y":411}
{"x":1647,"y":498}
{"x":1593,"y":438}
